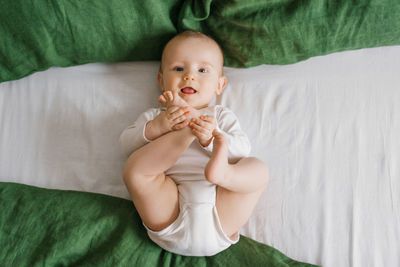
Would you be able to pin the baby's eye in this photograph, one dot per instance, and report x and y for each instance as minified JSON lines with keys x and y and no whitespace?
{"x":202,"y":70}
{"x":178,"y":68}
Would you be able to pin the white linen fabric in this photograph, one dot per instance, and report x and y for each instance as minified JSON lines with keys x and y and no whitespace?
{"x":328,"y":128}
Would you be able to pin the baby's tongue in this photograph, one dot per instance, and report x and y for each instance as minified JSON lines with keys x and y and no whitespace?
{"x":188,"y":90}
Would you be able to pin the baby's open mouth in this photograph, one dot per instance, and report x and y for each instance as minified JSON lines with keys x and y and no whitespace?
{"x":188,"y":90}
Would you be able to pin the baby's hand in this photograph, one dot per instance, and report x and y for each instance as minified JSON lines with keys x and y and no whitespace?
{"x":202,"y":128}
{"x":173,"y":119}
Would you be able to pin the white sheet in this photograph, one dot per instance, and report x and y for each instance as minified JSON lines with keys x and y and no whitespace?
{"x":328,"y":128}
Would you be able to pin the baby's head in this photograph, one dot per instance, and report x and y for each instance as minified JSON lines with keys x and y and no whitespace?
{"x":192,"y":65}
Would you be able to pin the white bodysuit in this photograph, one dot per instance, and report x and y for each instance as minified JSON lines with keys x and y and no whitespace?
{"x":197,"y":230}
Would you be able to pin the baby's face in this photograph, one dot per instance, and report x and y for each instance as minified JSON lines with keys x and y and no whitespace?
{"x":192,"y":67}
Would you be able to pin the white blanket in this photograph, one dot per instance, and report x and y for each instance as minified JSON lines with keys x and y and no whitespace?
{"x":328,"y":128}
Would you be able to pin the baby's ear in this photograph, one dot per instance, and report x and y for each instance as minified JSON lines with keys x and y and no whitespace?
{"x":221,"y":85}
{"x":160,"y":80}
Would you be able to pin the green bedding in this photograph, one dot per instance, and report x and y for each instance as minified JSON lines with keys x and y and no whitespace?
{"x":43,"y":227}
{"x":36,"y":35}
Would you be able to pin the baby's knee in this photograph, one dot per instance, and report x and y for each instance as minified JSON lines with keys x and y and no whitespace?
{"x":133,"y":179}
{"x":141,"y":184}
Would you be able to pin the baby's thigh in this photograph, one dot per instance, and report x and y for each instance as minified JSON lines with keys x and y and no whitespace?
{"x":157,"y":204}
{"x":234,"y":209}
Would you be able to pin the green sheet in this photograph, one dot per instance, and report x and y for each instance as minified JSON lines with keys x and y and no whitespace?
{"x":43,"y":227}
{"x":36,"y":35}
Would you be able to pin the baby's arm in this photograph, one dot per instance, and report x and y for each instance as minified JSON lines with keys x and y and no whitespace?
{"x":149,"y":126}
{"x":228,"y":124}
{"x":203,"y":127}
{"x":173,"y":119}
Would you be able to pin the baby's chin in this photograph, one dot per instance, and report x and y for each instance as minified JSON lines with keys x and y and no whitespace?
{"x":191,"y":101}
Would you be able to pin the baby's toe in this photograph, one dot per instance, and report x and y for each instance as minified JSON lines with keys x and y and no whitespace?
{"x":162,"y":99}
{"x":168,"y":95}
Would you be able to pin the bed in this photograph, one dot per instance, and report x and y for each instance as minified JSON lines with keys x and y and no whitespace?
{"x":326,"y":126}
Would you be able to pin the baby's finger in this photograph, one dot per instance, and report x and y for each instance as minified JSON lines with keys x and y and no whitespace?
{"x":203,"y":123}
{"x":168,"y":95}
{"x":181,"y":118}
{"x":162,"y":100}
{"x":177,"y":111}
{"x":197,"y":121}
{"x":200,"y":135}
{"x":179,"y":126}
{"x":172,"y":109}
{"x":208,"y":118}
{"x":179,"y":114}
{"x":199,"y":128}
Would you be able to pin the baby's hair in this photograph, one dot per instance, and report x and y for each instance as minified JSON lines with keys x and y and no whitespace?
{"x":193,"y":34}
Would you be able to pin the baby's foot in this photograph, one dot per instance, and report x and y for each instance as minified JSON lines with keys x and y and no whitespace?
{"x":217,"y":166}
{"x":164,"y":99}
{"x":169,"y":98}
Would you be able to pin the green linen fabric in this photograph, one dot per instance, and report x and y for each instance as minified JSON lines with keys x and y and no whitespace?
{"x":47,"y":227}
{"x":36,"y":35}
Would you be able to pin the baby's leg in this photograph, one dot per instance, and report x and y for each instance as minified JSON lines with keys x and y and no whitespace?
{"x":154,"y":194}
{"x":239,"y":185}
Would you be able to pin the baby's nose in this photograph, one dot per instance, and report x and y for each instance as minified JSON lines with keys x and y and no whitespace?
{"x":188,"y":77}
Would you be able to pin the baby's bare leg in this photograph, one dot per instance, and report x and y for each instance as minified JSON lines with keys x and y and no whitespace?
{"x":239,"y":186}
{"x":246,"y":176}
{"x":154,"y":194}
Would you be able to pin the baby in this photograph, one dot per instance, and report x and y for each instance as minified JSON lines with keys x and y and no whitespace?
{"x":188,"y":171}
